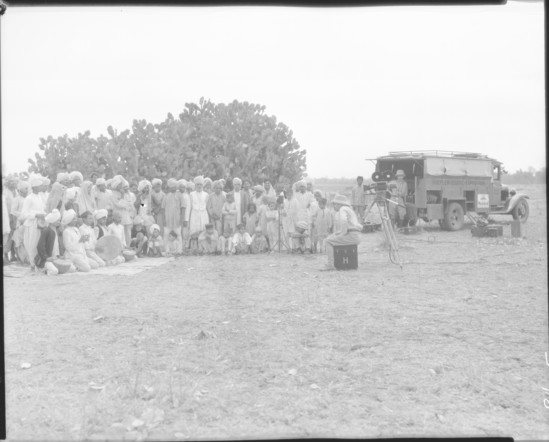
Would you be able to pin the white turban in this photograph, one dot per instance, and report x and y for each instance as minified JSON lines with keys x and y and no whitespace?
{"x":45,"y":181}
{"x":53,"y":217}
{"x":36,"y":182}
{"x":156,"y":181}
{"x":172,"y":182}
{"x":101,"y":213}
{"x":100,"y":181}
{"x":68,"y":216}
{"x":237,"y":181}
{"x":22,"y":185}
{"x":182,"y":183}
{"x":138,"y":220}
{"x":153,"y":228}
{"x":70,"y":193}
{"x":142,"y":184}
{"x":207,"y":180}
{"x":116,"y":181}
{"x":76,"y":174}
{"x":190,"y":185}
{"x":62,"y":176}
{"x":199,"y":180}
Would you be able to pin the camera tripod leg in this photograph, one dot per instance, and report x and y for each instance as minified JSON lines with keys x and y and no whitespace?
{"x":389,"y":232}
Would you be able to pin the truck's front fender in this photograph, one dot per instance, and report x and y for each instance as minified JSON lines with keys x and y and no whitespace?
{"x":514,"y":200}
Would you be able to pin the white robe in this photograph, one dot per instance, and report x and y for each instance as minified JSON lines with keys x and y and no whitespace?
{"x":32,"y":205}
{"x":71,"y":240}
{"x":303,"y":202}
{"x":238,"y":207}
{"x":197,"y":215}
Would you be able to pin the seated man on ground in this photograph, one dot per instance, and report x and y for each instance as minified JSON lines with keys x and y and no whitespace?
{"x":73,"y":241}
{"x":48,"y":243}
{"x":301,"y":239}
{"x":346,"y":228}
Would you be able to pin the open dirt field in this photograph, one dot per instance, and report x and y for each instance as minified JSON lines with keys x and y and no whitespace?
{"x":259,"y":347}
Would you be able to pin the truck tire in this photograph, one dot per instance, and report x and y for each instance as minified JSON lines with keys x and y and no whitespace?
{"x":521,"y":210}
{"x":453,"y":217}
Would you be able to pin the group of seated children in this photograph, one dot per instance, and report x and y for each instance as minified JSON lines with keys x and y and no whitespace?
{"x":241,"y":242}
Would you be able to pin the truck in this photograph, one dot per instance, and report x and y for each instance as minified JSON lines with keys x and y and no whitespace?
{"x":447,"y":185}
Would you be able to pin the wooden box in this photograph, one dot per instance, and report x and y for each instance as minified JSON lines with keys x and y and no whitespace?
{"x":346,"y":257}
{"x":494,"y":231}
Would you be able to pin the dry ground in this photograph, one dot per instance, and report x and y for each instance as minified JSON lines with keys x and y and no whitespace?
{"x":246,"y":346}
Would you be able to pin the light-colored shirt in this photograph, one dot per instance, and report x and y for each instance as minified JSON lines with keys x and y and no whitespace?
{"x":32,"y":205}
{"x":71,"y":242}
{"x":345,"y":220}
{"x":118,"y":231}
{"x":242,"y":239}
{"x":88,"y":230}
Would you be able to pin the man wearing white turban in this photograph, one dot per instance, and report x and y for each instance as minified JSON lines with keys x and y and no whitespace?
{"x":102,"y":195}
{"x":143,"y":202}
{"x":23,"y":188}
{"x":48,"y":244}
{"x":157,"y":196}
{"x":197,"y":214}
{"x":241,"y":199}
{"x":74,"y":243}
{"x":63,"y":178}
{"x":173,"y":209}
{"x":32,"y":206}
{"x":87,"y":230}
{"x":303,"y":200}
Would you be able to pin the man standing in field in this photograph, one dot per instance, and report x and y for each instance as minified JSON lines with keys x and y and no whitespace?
{"x":358,"y":198}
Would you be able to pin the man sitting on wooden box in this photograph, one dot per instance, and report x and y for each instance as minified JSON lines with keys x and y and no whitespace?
{"x":346,"y":228}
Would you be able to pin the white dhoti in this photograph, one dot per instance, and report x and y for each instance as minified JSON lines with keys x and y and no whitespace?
{"x":31,"y":235}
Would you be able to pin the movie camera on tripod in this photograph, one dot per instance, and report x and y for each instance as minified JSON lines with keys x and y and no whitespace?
{"x":383,"y":198}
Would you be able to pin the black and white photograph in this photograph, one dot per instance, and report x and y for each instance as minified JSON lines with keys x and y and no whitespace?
{"x":230,"y":222}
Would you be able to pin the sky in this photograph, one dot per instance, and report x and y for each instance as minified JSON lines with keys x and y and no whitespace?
{"x":351,"y":83}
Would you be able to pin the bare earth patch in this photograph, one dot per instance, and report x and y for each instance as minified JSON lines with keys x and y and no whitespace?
{"x":269,"y":346}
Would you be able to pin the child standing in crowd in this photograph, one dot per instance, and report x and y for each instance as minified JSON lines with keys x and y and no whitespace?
{"x":229,"y":212}
{"x":259,"y":242}
{"x":208,"y":241}
{"x":251,"y":219}
{"x":117,"y":230}
{"x":225,"y":242}
{"x":156,"y":245}
{"x":301,"y":240}
{"x":101,"y":228}
{"x":173,"y":246}
{"x":215,"y":203}
{"x":323,"y":223}
{"x":171,"y":206}
{"x":157,"y":196}
{"x":241,"y":240}
{"x":271,"y":217}
{"x":87,"y":230}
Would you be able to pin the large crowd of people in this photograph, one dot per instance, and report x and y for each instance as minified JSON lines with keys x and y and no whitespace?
{"x":45,"y":221}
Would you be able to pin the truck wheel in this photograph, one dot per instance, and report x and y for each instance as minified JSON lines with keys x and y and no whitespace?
{"x":453,"y":218}
{"x":521,"y":210}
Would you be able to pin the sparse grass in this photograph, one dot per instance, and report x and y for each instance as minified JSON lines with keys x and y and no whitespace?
{"x":268,"y":346}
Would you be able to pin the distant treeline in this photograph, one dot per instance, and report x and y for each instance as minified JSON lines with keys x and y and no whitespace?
{"x":530,"y":176}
